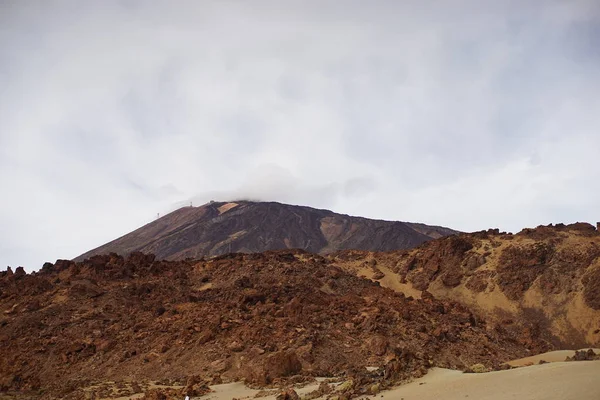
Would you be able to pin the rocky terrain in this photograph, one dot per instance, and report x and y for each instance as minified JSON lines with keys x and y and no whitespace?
{"x":271,"y":318}
{"x":546,"y":279}
{"x":243,"y":226}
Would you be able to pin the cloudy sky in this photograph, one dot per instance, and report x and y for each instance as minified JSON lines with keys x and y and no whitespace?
{"x":468,"y":114}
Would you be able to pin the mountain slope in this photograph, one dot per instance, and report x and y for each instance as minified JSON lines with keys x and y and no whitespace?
{"x":248,"y":227}
{"x":547,"y":278}
{"x":258,"y":317}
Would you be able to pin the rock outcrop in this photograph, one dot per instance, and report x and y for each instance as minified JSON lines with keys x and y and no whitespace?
{"x":544,"y":280}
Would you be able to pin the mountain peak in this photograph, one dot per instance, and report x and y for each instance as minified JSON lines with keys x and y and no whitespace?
{"x":247,"y":226}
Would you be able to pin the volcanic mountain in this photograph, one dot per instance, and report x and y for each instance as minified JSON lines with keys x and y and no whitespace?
{"x":219,"y":228}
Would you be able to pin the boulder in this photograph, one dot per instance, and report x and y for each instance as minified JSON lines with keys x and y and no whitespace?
{"x":288,"y":394}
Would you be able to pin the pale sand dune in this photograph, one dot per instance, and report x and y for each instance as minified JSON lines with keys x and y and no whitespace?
{"x":552,"y":381}
{"x":240,"y":391}
{"x":556,"y":380}
{"x":552,"y":356}
{"x":230,"y":390}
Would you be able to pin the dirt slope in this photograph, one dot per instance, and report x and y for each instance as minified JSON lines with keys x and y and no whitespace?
{"x":219,"y":228}
{"x":258,"y":317}
{"x":546,"y":279}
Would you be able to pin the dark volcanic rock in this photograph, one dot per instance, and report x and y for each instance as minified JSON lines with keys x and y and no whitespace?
{"x":591,"y":292}
{"x":584,"y":355}
{"x":247,"y":227}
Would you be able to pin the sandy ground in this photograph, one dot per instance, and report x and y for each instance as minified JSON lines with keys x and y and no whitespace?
{"x":552,"y":356}
{"x":390,"y":280}
{"x":552,"y":381}
{"x":555,"y":380}
{"x":239,"y":391}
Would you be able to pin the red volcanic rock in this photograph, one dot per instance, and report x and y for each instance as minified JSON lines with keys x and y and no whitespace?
{"x":519,"y":266}
{"x":591,"y":292}
{"x":272,"y":317}
{"x":288,"y":394}
{"x":534,"y":279}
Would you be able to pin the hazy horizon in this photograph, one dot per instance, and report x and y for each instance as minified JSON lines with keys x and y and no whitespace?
{"x":465,"y":114}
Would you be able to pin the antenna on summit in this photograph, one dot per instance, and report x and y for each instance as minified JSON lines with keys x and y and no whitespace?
{"x":190,"y":204}
{"x":157,"y":215}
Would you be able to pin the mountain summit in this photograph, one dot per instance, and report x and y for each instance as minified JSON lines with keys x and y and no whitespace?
{"x":218,"y":228}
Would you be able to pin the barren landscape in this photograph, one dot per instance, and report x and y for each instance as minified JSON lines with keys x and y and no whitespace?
{"x":299,"y":200}
{"x":113,"y":326}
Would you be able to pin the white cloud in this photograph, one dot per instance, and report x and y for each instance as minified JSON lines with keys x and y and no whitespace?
{"x":463,"y":113}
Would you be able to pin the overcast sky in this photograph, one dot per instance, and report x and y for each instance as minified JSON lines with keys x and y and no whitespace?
{"x":468,"y":114}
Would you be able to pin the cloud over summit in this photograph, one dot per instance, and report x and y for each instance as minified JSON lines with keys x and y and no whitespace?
{"x":461,"y":113}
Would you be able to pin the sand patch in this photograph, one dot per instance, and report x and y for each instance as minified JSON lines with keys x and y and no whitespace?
{"x":238,"y":390}
{"x":391,"y":280}
{"x":553,"y":381}
{"x":226,"y":207}
{"x":551,"y":356}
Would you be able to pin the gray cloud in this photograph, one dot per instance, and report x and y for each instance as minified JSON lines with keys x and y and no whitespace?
{"x":461,"y":113}
{"x":270,"y":182}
